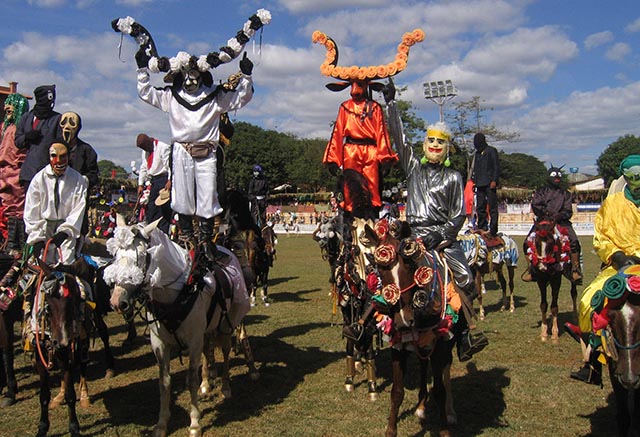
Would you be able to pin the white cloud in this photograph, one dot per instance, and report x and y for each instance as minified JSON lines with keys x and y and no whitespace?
{"x":597,"y":39}
{"x":307,"y":6}
{"x":618,"y":51}
{"x":634,"y":26}
{"x":46,"y":3}
{"x":133,"y":3}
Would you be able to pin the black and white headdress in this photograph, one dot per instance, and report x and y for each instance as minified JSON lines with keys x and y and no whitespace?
{"x":184,"y":61}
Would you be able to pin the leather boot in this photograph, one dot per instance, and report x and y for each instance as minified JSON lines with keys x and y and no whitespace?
{"x":576,"y":272}
{"x":206,"y":243}
{"x":186,"y":237}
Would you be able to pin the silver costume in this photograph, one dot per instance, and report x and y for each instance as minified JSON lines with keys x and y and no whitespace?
{"x":435,"y":201}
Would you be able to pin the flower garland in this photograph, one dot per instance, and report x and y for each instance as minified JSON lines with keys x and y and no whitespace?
{"x":329,"y":67}
{"x":184,"y":61}
{"x":550,"y":258}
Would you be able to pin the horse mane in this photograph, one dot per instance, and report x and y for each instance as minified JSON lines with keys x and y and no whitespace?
{"x":237,"y":204}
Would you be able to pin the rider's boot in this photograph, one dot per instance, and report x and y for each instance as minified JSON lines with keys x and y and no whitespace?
{"x":186,"y":237}
{"x":576,"y":272}
{"x":526,"y":275}
{"x":210,"y":250}
{"x":591,"y":371}
{"x":15,"y":236}
{"x":468,"y":344}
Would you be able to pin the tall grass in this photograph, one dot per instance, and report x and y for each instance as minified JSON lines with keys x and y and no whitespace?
{"x":517,"y":386}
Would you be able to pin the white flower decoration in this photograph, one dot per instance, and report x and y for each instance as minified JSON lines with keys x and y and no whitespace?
{"x":264,"y":16}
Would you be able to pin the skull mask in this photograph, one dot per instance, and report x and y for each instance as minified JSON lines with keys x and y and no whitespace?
{"x":58,"y":158}
{"x":192,"y":81}
{"x":70,"y":124}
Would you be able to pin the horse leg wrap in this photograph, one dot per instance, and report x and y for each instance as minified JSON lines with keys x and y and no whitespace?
{"x":351,"y":371}
{"x":371,"y":380}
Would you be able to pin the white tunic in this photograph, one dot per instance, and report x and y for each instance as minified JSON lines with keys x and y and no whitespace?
{"x":41,"y":217}
{"x":194,"y":177}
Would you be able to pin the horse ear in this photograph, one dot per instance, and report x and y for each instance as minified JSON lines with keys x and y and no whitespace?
{"x":371,"y":234}
{"x":150,"y":227}
{"x":338,"y":86}
{"x":120,"y":221}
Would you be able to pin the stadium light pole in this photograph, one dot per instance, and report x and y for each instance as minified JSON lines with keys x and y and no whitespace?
{"x":440,"y":92}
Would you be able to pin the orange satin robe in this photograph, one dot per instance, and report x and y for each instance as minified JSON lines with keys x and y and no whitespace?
{"x":360,"y":121}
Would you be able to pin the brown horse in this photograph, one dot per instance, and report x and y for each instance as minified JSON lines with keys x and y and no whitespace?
{"x":547,"y":248}
{"x":484,"y":260}
{"x":621,"y":341}
{"x":413,"y":286}
{"x":61,"y":340}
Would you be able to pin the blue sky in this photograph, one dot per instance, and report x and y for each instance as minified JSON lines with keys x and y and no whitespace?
{"x":563,"y":74}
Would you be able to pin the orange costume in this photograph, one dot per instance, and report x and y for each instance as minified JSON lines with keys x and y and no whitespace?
{"x":360,"y":142}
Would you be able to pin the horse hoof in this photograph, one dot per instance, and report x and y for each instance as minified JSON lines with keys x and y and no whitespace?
{"x":85,"y":402}
{"x":205,"y":390}
{"x":7,"y":401}
{"x":159,"y":432}
{"x":349,"y":387}
{"x":110,"y":373}
{"x":56,"y":401}
{"x":543,"y":339}
{"x":373,"y":396}
{"x":420,"y":414}
{"x":195,"y":431}
{"x":226,"y":389}
{"x":512,"y":309}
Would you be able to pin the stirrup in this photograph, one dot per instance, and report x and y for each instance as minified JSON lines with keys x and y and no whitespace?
{"x":526,"y":276}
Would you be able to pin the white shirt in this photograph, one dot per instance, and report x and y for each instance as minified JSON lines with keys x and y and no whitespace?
{"x":40,"y":209}
{"x":159,"y":162}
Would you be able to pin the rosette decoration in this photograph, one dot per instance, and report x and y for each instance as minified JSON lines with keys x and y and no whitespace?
{"x":423,"y":276}
{"x":330,"y":65}
{"x":183,"y":60}
{"x":410,"y":248}
{"x":385,"y":255}
{"x":381,"y":228}
{"x":391,"y":293}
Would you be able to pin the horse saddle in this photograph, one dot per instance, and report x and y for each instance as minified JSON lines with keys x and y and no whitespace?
{"x":491,"y":241}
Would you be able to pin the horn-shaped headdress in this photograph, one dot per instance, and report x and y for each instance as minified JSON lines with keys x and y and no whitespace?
{"x":183,"y":60}
{"x":330,"y":65}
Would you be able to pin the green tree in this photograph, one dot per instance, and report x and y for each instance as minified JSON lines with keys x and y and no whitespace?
{"x":107,"y":166}
{"x":521,"y":170}
{"x":609,"y":160}
{"x":466,"y":119}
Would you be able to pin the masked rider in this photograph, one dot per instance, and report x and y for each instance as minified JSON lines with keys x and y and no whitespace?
{"x":55,"y":206}
{"x":435,"y":209}
{"x":554,"y":202}
{"x":615,"y":239}
{"x":194,"y":106}
{"x":12,"y":193}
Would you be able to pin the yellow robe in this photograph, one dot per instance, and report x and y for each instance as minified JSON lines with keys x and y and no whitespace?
{"x":617,"y":227}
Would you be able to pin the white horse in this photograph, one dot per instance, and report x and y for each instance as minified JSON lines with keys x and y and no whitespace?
{"x":181,"y":307}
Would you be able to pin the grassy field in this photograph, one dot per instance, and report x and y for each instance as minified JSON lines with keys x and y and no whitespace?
{"x":517,"y":386}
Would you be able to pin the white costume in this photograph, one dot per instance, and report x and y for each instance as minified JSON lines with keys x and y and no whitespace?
{"x":41,"y":217}
{"x":195,"y":120}
{"x":159,"y":162}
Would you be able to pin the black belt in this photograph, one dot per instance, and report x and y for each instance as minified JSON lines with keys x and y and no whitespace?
{"x":360,"y":141}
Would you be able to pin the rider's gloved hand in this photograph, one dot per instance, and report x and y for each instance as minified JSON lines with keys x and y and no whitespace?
{"x":619,"y":259}
{"x":246,"y":66}
{"x":333,"y":168}
{"x":432,"y":240}
{"x":59,"y":238}
{"x":142,"y":59}
{"x":37,"y":248}
{"x":389,"y":91}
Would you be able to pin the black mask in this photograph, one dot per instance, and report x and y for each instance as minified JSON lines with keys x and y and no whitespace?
{"x":554,"y":176}
{"x":45,"y":101}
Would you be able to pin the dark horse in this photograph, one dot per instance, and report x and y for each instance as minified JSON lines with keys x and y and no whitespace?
{"x":60,"y":340}
{"x":547,"y":248}
{"x":354,"y":296}
{"x":9,"y":315}
{"x":20,"y":281}
{"x":263,"y":261}
{"x":413,"y":300}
